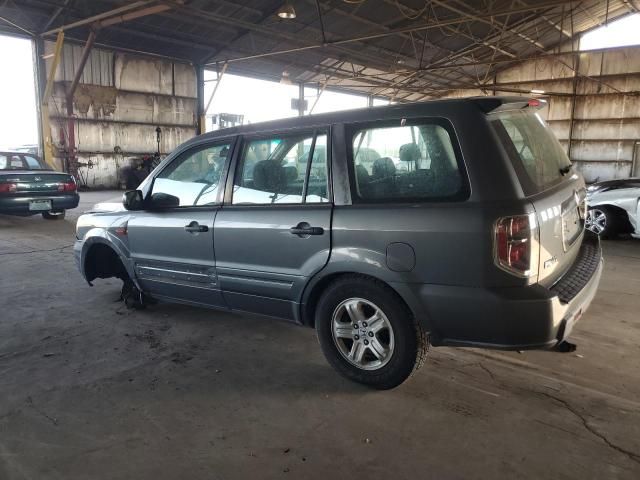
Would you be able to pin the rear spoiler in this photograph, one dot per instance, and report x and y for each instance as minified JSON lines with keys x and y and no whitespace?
{"x":506,"y":104}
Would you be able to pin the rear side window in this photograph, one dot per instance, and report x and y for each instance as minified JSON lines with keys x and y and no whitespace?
{"x":289,"y":169}
{"x":537,"y":157}
{"x":406,"y":162}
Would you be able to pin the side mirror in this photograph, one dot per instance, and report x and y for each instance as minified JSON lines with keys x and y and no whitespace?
{"x":132,"y":200}
{"x":164,"y":200}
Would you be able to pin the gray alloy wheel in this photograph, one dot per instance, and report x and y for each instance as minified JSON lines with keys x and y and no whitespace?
{"x":596,"y":221}
{"x":362,"y":333}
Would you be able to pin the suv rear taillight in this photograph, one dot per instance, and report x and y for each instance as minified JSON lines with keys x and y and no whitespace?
{"x":8,"y":187}
{"x":516,"y":246}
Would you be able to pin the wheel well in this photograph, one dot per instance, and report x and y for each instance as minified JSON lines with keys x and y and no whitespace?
{"x":309,"y":308}
{"x":101,"y":261}
{"x":622,"y":217}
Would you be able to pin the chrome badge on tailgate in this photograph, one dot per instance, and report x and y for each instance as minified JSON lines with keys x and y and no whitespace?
{"x":572,"y":221}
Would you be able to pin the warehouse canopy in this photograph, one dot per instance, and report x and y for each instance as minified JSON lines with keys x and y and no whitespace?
{"x":401,"y":49}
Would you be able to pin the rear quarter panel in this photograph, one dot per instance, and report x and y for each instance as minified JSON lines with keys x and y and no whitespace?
{"x":453,"y":241}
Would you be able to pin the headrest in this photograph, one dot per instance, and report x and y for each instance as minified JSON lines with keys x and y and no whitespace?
{"x":383,"y":167}
{"x":269,"y":176}
{"x":290,"y":174}
{"x":410,"y":152}
{"x":362,"y":173}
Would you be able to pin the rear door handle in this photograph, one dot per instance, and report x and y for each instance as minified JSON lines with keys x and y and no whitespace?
{"x":195,"y":227}
{"x":303,"y":228}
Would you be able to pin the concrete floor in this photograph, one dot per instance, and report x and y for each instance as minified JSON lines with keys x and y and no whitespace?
{"x":90,"y":390}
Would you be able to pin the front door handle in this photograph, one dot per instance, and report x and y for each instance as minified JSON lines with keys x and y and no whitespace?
{"x":195,"y":227}
{"x":304,"y":229}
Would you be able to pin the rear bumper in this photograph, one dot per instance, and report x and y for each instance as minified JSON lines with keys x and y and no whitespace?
{"x":515,"y":318}
{"x":20,"y":205}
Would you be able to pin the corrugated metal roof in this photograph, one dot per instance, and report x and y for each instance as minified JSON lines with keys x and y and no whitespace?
{"x":404,"y":49}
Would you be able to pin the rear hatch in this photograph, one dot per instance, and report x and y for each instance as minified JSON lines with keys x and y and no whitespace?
{"x":555,"y":189}
{"x":35,"y":182}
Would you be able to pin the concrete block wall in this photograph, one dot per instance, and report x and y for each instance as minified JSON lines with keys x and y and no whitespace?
{"x":120,"y":101}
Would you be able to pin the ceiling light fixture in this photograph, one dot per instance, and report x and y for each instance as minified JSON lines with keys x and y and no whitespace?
{"x":537,"y":92}
{"x":287,"y":11}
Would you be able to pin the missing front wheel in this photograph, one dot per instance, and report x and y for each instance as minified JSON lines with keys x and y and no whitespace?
{"x":132,"y":297}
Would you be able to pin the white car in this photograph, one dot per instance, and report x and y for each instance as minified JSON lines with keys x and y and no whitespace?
{"x":614,"y":207}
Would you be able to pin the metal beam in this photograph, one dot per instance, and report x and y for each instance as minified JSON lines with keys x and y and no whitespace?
{"x":57,"y":53}
{"x":372,"y":36}
{"x":215,"y":88}
{"x":335,"y":10}
{"x":324,"y":36}
{"x":83,"y":61}
{"x":550,"y":22}
{"x":102,"y":16}
{"x":15,"y":25}
{"x":491,"y":23}
{"x":133,"y":15}
{"x":55,"y":14}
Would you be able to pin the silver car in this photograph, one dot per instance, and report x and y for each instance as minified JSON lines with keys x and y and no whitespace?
{"x":614,"y":207}
{"x":477,"y":239}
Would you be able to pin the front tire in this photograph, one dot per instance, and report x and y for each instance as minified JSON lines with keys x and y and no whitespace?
{"x":367,"y":333}
{"x":54,"y":215}
{"x":602,"y":221}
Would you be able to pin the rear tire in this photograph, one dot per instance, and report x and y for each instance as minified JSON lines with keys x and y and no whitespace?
{"x":54,"y":215}
{"x":387,"y":346}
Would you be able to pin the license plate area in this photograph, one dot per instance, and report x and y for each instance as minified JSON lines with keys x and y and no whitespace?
{"x":40,"y":205}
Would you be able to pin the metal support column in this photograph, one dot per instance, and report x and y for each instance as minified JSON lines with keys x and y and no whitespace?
{"x":201,"y":122}
{"x":40,"y":82}
{"x":44,"y":103}
{"x":320,"y":92}
{"x":72,"y":159}
{"x":220,"y":74}
{"x":301,"y":99}
{"x":573,"y":104}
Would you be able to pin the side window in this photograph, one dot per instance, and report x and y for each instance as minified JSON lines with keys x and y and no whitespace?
{"x":3,"y":162}
{"x":194,"y":177}
{"x":274,"y":170}
{"x":405,"y":162}
{"x":32,"y":163}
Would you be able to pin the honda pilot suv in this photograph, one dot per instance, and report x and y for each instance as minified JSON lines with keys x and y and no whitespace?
{"x":456,"y":222}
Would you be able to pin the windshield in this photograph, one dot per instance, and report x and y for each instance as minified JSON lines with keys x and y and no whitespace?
{"x":537,"y":156}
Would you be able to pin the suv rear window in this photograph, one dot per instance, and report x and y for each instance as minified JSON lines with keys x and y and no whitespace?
{"x":406,"y":162}
{"x":536,"y":155}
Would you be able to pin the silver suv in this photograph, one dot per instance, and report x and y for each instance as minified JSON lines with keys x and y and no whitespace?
{"x":457,"y":222}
